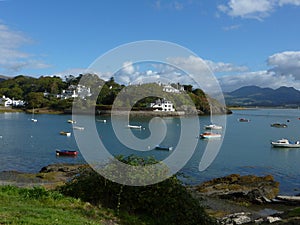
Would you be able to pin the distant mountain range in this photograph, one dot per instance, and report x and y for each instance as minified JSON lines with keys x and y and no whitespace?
{"x":257,"y":96}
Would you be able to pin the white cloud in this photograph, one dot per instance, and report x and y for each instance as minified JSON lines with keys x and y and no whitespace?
{"x":248,"y":8}
{"x":285,"y":67}
{"x":291,"y":2}
{"x":12,"y":59}
{"x":285,"y":71}
{"x":225,"y":67}
{"x":254,"y":9}
{"x":128,"y":67}
{"x":193,"y":65}
{"x":184,"y":70}
{"x":76,"y":71}
{"x":259,"y":78}
{"x":286,"y":63}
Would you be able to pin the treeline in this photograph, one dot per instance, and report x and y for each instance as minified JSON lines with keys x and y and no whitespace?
{"x":32,"y":91}
{"x":43,"y":91}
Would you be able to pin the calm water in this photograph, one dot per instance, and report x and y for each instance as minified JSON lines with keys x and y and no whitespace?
{"x":27,"y":146}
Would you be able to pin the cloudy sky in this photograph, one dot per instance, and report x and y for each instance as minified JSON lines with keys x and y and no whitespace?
{"x":243,"y":42}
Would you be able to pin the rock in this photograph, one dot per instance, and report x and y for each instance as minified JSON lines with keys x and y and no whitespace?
{"x":236,"y":218}
{"x":65,"y":168}
{"x":250,"y":188}
{"x":258,"y":221}
{"x":58,"y":174}
{"x":272,"y":219}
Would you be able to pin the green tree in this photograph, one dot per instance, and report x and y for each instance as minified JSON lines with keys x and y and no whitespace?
{"x":35,"y":100}
{"x":15,"y":93}
{"x":188,"y":88}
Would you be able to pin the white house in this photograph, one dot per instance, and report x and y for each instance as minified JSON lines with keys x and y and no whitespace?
{"x":74,"y":91}
{"x":170,"y":89}
{"x":7,"y":102}
{"x":162,"y":105}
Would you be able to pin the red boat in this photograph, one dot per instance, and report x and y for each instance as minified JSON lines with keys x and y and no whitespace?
{"x":66,"y":153}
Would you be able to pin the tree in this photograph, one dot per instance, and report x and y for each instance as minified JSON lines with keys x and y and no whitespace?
{"x":35,"y":100}
{"x":15,"y":93}
{"x":188,"y":88}
{"x":199,"y":92}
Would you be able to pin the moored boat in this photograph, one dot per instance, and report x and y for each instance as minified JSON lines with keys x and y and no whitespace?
{"x":78,"y":128}
{"x":71,"y":121}
{"x":66,"y":152}
{"x":209,"y":135}
{"x":134,"y":127}
{"x":167,"y":148}
{"x":244,"y":120}
{"x":279,"y":125}
{"x":213,"y":127}
{"x":102,"y":121}
{"x":66,"y":133}
{"x":285,"y":143}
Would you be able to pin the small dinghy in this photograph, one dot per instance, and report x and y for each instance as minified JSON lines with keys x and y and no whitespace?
{"x":66,"y":152}
{"x":166,"y":148}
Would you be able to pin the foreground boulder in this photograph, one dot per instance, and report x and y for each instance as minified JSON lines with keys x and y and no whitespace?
{"x":250,"y":188}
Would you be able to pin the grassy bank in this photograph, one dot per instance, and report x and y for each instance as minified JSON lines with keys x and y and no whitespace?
{"x":5,"y":109}
{"x":101,"y":201}
{"x":38,"y":206}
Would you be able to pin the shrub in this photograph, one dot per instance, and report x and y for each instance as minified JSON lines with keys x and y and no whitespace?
{"x":167,"y":202}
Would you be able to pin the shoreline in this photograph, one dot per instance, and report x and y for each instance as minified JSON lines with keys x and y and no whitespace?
{"x":140,"y":113}
{"x":223,"y":207}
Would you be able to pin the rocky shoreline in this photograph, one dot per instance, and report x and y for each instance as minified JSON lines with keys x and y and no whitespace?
{"x":233,"y":199}
{"x":250,"y":199}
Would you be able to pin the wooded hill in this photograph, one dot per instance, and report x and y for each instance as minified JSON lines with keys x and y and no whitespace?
{"x":33,"y":90}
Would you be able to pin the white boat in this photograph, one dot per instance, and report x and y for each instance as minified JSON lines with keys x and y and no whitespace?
{"x":68,"y":134}
{"x":285,"y":143}
{"x":78,"y":128}
{"x":134,"y":127}
{"x":213,"y":127}
{"x":210,"y":135}
{"x":71,"y":121}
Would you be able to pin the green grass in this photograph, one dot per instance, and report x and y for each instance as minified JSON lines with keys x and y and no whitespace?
{"x":294,"y":212}
{"x":38,"y":206}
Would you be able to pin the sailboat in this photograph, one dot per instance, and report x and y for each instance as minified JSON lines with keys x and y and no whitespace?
{"x":32,"y":118}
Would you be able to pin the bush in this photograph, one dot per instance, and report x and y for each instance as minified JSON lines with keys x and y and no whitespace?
{"x":167,"y":202}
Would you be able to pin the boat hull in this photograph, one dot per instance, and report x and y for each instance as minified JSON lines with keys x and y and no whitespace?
{"x":213,"y":127}
{"x":279,"y":125}
{"x":78,"y":128}
{"x":279,"y":145}
{"x":166,"y":148}
{"x":68,"y":134}
{"x":66,"y":153}
{"x":134,"y":127}
{"x":210,"y":135}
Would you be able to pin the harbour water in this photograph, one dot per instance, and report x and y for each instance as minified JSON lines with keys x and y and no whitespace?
{"x":26,"y":146}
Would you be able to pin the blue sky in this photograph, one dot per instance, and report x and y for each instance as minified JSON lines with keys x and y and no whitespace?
{"x":245,"y":42}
